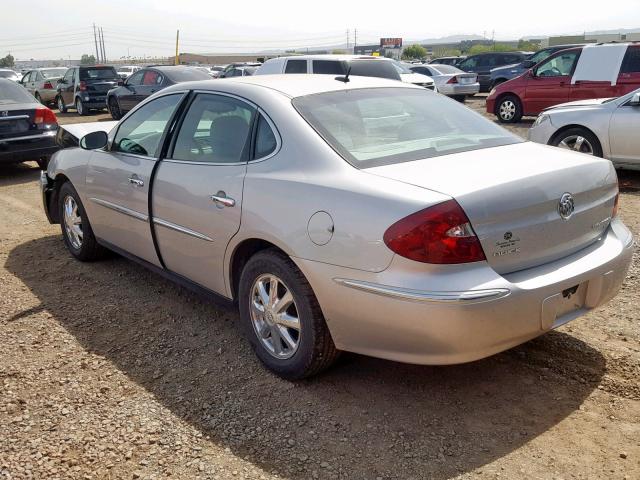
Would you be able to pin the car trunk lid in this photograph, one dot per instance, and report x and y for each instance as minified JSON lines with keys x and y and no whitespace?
{"x":16,"y":120}
{"x":511,"y":195}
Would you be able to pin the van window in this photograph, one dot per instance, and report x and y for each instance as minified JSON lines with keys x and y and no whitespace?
{"x":329,"y":67}
{"x":631,"y":62}
{"x":296,"y":66}
{"x":561,"y":65}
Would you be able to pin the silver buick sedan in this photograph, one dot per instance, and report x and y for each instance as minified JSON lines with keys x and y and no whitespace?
{"x":347,"y":214}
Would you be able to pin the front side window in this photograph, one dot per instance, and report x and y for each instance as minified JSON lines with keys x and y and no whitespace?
{"x":141,"y":133}
{"x":380,"y":126}
{"x":215,"y":130}
{"x":558,"y":66}
{"x":470,"y":62}
{"x":68,"y":76}
{"x":541,"y":55}
{"x":328,"y":67}
{"x":26,"y":78}
{"x":296,"y":66}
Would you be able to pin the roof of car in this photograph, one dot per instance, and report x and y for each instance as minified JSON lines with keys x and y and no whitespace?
{"x":300,"y":85}
{"x":329,"y":57}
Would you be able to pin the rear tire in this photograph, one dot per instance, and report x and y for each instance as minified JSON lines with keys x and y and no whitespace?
{"x":62,"y":108}
{"x":114,"y":108}
{"x":76,"y":229}
{"x":509,"y":109}
{"x":80,"y":108}
{"x":314,"y":349}
{"x":579,"y":140}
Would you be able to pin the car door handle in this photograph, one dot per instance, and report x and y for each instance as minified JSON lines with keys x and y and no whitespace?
{"x":221,"y":200}
{"x":136,"y":181}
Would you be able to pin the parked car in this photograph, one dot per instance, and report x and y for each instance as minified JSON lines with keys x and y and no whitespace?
{"x":409,"y":76}
{"x":449,"y":80}
{"x":483,"y":63}
{"x":9,"y":74}
{"x":85,"y":88}
{"x":69,"y":135}
{"x":125,"y":71}
{"x":42,"y":83}
{"x":228,"y":68}
{"x":241,"y":72}
{"x":453,"y":61}
{"x":27,"y":128}
{"x":604,"y":127}
{"x":611,"y":70}
{"x":328,"y":209}
{"x":216,"y":70}
{"x":357,"y":65}
{"x":502,"y":74}
{"x":146,"y":82}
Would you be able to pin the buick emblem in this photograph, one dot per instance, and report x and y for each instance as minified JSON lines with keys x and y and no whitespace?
{"x":566,"y":206}
{"x":4,"y":113}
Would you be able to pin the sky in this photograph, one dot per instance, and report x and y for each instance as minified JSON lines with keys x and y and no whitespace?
{"x":54,"y":29}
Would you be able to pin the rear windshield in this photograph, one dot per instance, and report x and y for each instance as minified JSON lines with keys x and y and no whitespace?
{"x":53,"y":72}
{"x":374,"y":68}
{"x":98,"y":73}
{"x":380,"y":126}
{"x":447,"y":69}
{"x":187,"y":75}
{"x":11,"y":93}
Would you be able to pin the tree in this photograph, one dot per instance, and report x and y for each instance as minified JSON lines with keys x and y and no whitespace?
{"x":414,"y":51}
{"x":445,"y":52}
{"x":528,"y":46}
{"x":87,"y":60}
{"x":8,"y":61}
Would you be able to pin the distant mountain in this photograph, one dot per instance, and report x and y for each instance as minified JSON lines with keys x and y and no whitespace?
{"x":620,"y":30}
{"x":448,"y":39}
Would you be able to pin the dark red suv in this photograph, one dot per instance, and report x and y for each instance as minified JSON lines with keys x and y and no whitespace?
{"x":549,"y":83}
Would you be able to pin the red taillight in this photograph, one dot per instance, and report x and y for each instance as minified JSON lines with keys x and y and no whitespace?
{"x":453,"y":80}
{"x":615,"y":206}
{"x":83,"y":86}
{"x":48,"y":85}
{"x":438,"y":234}
{"x":45,"y":116}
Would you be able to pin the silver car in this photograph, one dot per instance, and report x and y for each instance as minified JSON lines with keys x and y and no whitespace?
{"x":605,"y":127}
{"x":450,"y":81}
{"x":365,"y":215}
{"x":42,"y":83}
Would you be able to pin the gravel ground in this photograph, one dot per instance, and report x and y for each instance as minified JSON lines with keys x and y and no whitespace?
{"x":107,"y":371}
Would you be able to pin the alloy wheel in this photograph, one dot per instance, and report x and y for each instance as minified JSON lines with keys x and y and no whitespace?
{"x":274,"y":316}
{"x":577,"y":143}
{"x":79,"y":107}
{"x":61,"y":105}
{"x":72,"y":222}
{"x":507,"y":110}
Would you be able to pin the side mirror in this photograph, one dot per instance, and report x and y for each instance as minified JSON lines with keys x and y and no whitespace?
{"x":635,"y":100}
{"x":60,"y":81}
{"x":94,"y":140}
{"x":528,"y":64}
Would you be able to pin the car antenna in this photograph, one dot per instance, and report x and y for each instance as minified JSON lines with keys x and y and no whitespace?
{"x":345,"y":79}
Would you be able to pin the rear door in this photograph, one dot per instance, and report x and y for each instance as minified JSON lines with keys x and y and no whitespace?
{"x":550,"y":83}
{"x":118,"y":178}
{"x":197,"y":192}
{"x":623,"y":134}
{"x":629,"y":78}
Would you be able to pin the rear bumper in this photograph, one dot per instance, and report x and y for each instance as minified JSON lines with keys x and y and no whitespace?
{"x":458,"y":89}
{"x":27,"y":147}
{"x":48,"y":95}
{"x":404,"y":314}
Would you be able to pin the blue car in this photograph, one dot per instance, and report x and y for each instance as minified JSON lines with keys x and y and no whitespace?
{"x":499,"y":75}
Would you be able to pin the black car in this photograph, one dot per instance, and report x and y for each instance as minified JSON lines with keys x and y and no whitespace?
{"x":146,"y":82}
{"x":482,"y":64}
{"x":27,"y":128}
{"x":85,"y":88}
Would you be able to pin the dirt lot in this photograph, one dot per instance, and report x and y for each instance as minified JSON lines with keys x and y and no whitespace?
{"x":109,"y":371}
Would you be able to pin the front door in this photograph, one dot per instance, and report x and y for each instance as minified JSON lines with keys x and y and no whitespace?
{"x":126,"y":99}
{"x":67,"y":87}
{"x":623,"y":134}
{"x":550,"y":82}
{"x":118,"y":179}
{"x":197,"y":192}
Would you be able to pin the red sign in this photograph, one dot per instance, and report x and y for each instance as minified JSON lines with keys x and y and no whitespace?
{"x":391,"y":43}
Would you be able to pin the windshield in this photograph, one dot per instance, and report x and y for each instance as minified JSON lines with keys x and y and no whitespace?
{"x":380,"y":126}
{"x":98,"y":73}
{"x":53,"y":72}
{"x":12,"y":93}
{"x":401,"y":68}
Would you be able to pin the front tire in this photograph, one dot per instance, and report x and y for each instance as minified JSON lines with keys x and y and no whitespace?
{"x":80,"y":108}
{"x":76,"y":229}
{"x":509,"y":109}
{"x":282,"y":318}
{"x":38,"y":98}
{"x":114,"y":108}
{"x":579,"y":140}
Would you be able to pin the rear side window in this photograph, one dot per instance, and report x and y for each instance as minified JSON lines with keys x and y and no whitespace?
{"x":152,"y":77}
{"x":136,"y":78}
{"x":98,"y":73}
{"x":374,"y":68}
{"x":330,"y":67}
{"x":296,"y":66}
{"x":631,"y":62}
{"x":265,"y":139}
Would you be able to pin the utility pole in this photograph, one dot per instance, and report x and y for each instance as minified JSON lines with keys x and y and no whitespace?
{"x":104,"y":53}
{"x":347,"y":39}
{"x":177,"y":60}
{"x":355,"y":39}
{"x":95,"y":39}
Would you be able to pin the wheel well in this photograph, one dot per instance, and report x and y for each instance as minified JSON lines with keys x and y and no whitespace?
{"x":60,"y":180}
{"x":569,"y":127}
{"x":501,"y":96}
{"x":243,"y":252}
